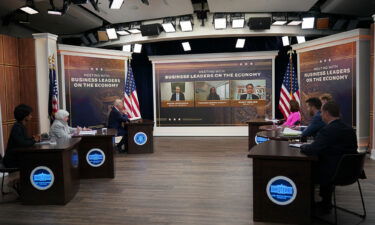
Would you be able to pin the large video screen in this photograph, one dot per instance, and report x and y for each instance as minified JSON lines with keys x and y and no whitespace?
{"x":213,"y":93}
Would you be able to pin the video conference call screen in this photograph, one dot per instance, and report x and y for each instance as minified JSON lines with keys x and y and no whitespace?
{"x":218,"y":93}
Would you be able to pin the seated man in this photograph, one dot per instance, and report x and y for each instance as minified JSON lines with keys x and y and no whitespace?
{"x":249,"y":93}
{"x":115,"y":120}
{"x":331,"y":143}
{"x":178,"y":95}
{"x":313,"y":107}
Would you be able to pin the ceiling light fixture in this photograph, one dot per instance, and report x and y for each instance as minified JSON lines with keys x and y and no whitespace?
{"x":238,"y":20}
{"x":186,"y":23}
{"x":240,"y":43}
{"x":127,"y":48}
{"x":220,"y":21}
{"x":135,"y":28}
{"x":301,"y":39}
{"x":279,"y":19}
{"x":169,"y":25}
{"x":285,"y":40}
{"x":111,"y":33}
{"x":115,"y":4}
{"x":186,"y":46}
{"x":137,"y":48}
{"x":308,"y":22}
{"x":29,"y":8}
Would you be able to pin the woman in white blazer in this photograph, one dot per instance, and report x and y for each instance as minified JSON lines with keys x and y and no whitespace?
{"x":60,"y":128}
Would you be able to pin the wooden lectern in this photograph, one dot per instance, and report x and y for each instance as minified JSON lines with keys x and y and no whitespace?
{"x":140,"y":136}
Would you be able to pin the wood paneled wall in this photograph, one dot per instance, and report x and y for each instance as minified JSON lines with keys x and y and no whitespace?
{"x":17,"y":81}
{"x":372,"y":74}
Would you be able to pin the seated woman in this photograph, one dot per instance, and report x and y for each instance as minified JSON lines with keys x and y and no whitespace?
{"x":295,"y":116}
{"x":18,"y":137}
{"x":60,"y":129}
{"x":213,"y":95}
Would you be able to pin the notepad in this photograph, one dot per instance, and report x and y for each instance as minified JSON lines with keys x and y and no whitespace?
{"x":295,"y":145}
{"x":87,"y":132}
{"x":290,"y":132}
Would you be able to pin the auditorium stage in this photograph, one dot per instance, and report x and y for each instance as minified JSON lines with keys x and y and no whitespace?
{"x":188,"y":180}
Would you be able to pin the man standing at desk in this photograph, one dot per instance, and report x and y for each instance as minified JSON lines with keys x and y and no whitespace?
{"x":331,"y":143}
{"x":313,"y":107}
{"x":115,"y":120}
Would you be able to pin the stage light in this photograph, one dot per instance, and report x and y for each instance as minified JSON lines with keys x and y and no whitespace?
{"x":55,"y":12}
{"x":240,"y":43}
{"x":135,"y":28}
{"x":308,"y":22}
{"x":85,"y":40}
{"x":238,"y":20}
{"x":285,"y":40}
{"x":279,"y":19}
{"x":294,"y":19}
{"x":111,"y":33}
{"x":186,"y":46}
{"x":122,"y":31}
{"x":92,"y":38}
{"x":186,"y":23}
{"x":29,"y":8}
{"x":169,"y":25}
{"x":127,"y":48}
{"x":116,"y":4}
{"x":137,"y":48}
{"x":220,"y":21}
{"x":301,"y":39}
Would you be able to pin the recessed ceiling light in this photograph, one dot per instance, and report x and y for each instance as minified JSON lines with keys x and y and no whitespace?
{"x":240,"y":43}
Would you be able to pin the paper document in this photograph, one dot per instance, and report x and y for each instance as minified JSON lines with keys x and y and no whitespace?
{"x":295,"y":145}
{"x":290,"y":132}
{"x":272,"y":120}
{"x":87,"y":132}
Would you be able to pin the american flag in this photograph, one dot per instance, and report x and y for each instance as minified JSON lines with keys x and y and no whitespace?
{"x":289,"y":89}
{"x":130,"y":96}
{"x":53,"y":103}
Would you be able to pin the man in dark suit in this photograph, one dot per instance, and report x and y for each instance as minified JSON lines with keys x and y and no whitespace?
{"x":178,"y":95}
{"x":332,"y":142}
{"x":249,"y":93}
{"x":313,"y":107}
{"x":115,"y":120}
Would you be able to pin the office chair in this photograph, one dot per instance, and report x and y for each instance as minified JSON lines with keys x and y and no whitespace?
{"x":4,"y":170}
{"x":349,"y":171}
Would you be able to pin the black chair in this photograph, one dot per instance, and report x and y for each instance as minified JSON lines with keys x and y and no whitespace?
{"x":349,"y":171}
{"x":4,"y":170}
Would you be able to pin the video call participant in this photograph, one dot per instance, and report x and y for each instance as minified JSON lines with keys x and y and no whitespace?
{"x":313,"y":108}
{"x":332,"y":142}
{"x":115,"y":120}
{"x":213,"y":95}
{"x":295,"y":116}
{"x":178,"y":95}
{"x":249,"y":93}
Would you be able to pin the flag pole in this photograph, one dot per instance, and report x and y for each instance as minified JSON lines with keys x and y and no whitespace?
{"x":290,"y":53}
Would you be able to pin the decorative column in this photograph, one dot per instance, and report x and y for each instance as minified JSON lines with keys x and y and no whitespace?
{"x":45,"y":49}
{"x":372,"y":97}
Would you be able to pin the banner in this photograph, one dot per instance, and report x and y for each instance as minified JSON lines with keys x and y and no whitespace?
{"x":91,"y":86}
{"x":215,"y":93}
{"x":330,"y":71}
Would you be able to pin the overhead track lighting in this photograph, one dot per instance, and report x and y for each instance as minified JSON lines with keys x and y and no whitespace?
{"x":308,"y":22}
{"x":137,"y":48}
{"x":29,"y":8}
{"x":279,"y":19}
{"x":111,"y":33}
{"x":92,"y":38}
{"x":169,"y":25}
{"x":294,"y":20}
{"x":240,"y":43}
{"x":220,"y":21}
{"x":186,"y":46}
{"x":237,"y":20}
{"x":115,"y":4}
{"x":127,"y":48}
{"x":121,"y":30}
{"x":186,"y":23}
{"x":301,"y":39}
{"x":135,"y":28}
{"x":285,"y":40}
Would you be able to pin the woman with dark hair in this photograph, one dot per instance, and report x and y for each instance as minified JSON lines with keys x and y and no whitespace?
{"x":295,"y":116}
{"x":18,"y":137}
{"x":213,"y":95}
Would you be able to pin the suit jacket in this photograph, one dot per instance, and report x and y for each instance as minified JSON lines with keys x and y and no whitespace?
{"x":61,"y":130}
{"x":315,"y":125}
{"x":18,"y":138}
{"x":332,"y":142}
{"x":244,"y":96}
{"x":182,"y":97}
{"x":115,"y":121}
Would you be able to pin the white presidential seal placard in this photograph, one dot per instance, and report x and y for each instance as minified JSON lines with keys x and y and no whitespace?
{"x":281,"y":190}
{"x":140,"y":138}
{"x":95,"y":157}
{"x":42,"y":178}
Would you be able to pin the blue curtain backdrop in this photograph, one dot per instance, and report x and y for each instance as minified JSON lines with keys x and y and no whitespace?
{"x":142,"y":67}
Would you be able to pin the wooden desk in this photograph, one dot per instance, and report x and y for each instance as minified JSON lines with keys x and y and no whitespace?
{"x":254,"y":129}
{"x":96,"y":155}
{"x":276,"y":135}
{"x":49,"y":173}
{"x":273,"y":163}
{"x":140,"y":137}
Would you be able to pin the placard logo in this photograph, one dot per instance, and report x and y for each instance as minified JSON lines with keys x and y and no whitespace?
{"x":140,"y":138}
{"x":260,"y":140}
{"x":281,"y":190}
{"x":42,"y":178}
{"x":95,"y":157}
{"x":74,"y":158}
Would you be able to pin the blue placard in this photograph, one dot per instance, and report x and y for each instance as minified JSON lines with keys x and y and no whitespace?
{"x":74,"y":158}
{"x":140,"y":138}
{"x":259,"y":140}
{"x":42,"y":178}
{"x":95,"y":157}
{"x":281,"y":190}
